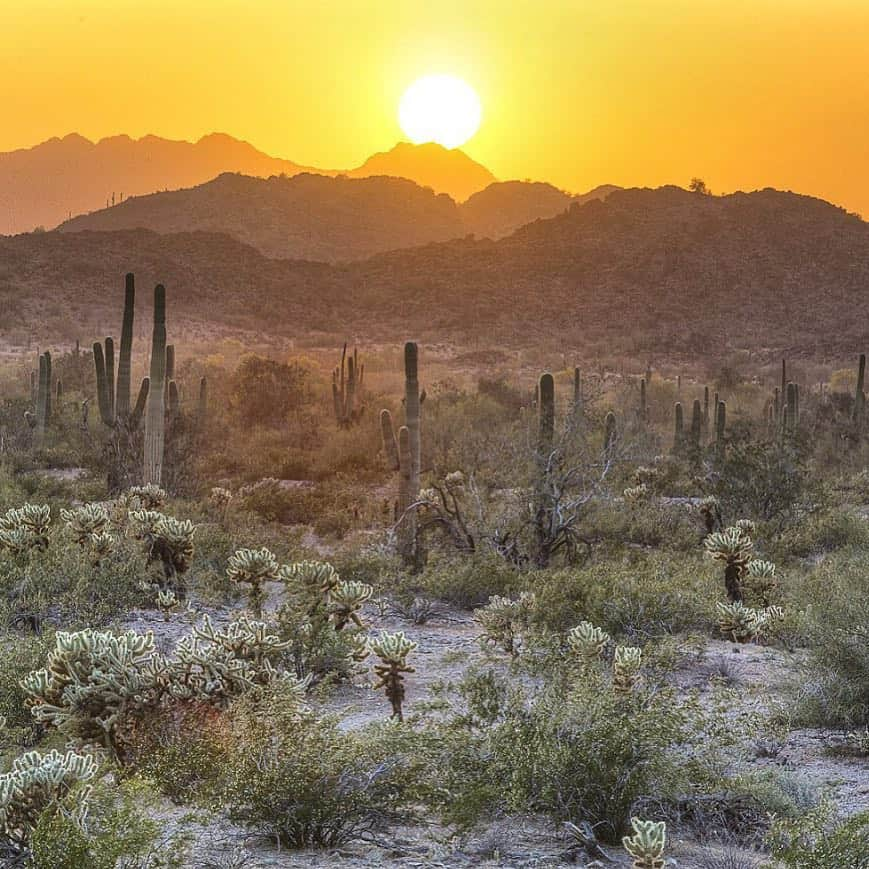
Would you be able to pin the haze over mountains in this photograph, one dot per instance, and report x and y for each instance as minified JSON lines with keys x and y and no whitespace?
{"x":332,"y":219}
{"x":642,"y":271}
{"x":62,"y":178}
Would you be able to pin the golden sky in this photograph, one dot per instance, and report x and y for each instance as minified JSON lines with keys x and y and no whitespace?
{"x":744,"y":93}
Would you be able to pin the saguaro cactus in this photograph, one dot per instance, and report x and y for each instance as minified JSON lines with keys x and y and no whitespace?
{"x":644,"y":413}
{"x":347,"y":380}
{"x":720,"y":425}
{"x":859,"y":395}
{"x":42,"y":392}
{"x":577,"y":390}
{"x":546,"y":414}
{"x":406,"y":447}
{"x":679,"y":431}
{"x":155,"y":419}
{"x":609,"y":436}
{"x":696,"y":425}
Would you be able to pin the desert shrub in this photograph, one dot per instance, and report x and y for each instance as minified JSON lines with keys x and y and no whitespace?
{"x":647,"y":524}
{"x":765,"y":480}
{"x":304,"y":783}
{"x":264,"y":391}
{"x":821,"y":532}
{"x":821,"y":841}
{"x":116,"y":832}
{"x":643,"y":595}
{"x":465,"y":581}
{"x":579,"y":753}
{"x":835,"y":599}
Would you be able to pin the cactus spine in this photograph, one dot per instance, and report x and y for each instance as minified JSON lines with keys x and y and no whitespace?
{"x":155,"y":418}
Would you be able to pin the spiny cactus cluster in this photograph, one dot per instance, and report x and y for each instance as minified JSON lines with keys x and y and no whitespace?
{"x":148,"y":497}
{"x":392,"y":649}
{"x":640,"y":494}
{"x":166,"y":539}
{"x":744,"y":624}
{"x":345,"y":602}
{"x":96,"y":684}
{"x":709,"y":509}
{"x":253,"y":567}
{"x":85,"y":522}
{"x":25,"y":528}
{"x":503,"y":620}
{"x":647,"y":843}
{"x":37,"y":781}
{"x":734,"y":547}
{"x":759,"y":581}
{"x":627,"y":664}
{"x":587,"y":641}
{"x":220,"y":497}
{"x":167,"y":603}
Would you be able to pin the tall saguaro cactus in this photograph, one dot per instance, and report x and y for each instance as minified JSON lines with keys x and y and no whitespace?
{"x":679,"y":430}
{"x":347,"y":381}
{"x":125,"y":360}
{"x":546,"y":414}
{"x":404,"y":452}
{"x":155,"y":418}
{"x":859,"y":395}
{"x":43,"y":392}
{"x":720,"y":423}
{"x":696,"y":425}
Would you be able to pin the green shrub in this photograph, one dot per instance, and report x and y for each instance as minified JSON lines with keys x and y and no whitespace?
{"x":820,"y":841}
{"x":304,"y":783}
{"x":465,"y":581}
{"x":20,"y":654}
{"x":821,"y":532}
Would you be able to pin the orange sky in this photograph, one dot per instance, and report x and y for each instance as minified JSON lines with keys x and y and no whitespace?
{"x":745,"y":93}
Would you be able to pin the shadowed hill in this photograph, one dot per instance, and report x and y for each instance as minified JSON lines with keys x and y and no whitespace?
{"x":303,"y":217}
{"x":645,"y":271}
{"x":503,"y":207}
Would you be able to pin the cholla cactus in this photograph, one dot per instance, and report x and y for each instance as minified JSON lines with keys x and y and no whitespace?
{"x":392,"y":649}
{"x":709,"y":509}
{"x":360,"y":648}
{"x":25,"y":528}
{"x":37,"y":781}
{"x":647,"y":844}
{"x":744,"y":624}
{"x":503,"y":620}
{"x":312,"y":584}
{"x":346,"y":601}
{"x":637,"y":494}
{"x":645,"y":476}
{"x":220,"y":497}
{"x":626,"y":668}
{"x":100,"y":546}
{"x":167,"y":603}
{"x":748,"y":527}
{"x":587,"y":641}
{"x":85,"y":521}
{"x":734,"y":548}
{"x":254,"y":567}
{"x":92,"y":682}
{"x":218,"y":665}
{"x":166,"y":539}
{"x":759,"y":581}
{"x":150,"y":497}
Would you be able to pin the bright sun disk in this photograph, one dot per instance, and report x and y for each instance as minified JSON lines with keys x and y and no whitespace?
{"x":440,"y":108}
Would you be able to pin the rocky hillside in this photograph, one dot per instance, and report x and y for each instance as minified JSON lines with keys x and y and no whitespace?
{"x":644,"y":271}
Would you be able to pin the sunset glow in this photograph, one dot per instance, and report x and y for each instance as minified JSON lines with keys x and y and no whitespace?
{"x":440,"y":108}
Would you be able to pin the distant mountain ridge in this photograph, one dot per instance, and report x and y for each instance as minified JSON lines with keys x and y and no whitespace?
{"x":63,"y":178}
{"x":661,"y":272}
{"x":312,"y":217}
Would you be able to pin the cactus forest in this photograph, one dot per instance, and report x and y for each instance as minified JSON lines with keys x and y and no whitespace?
{"x":368,"y":604}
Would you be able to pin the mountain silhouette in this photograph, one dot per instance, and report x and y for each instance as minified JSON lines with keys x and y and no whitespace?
{"x":62,"y":178}
{"x":642,"y":271}
{"x":430,"y":165}
{"x":303,"y":217}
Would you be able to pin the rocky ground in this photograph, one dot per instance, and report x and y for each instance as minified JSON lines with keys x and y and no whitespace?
{"x":447,"y":645}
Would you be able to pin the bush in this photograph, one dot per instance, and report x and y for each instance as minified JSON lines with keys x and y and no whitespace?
{"x":580,"y":754}
{"x":822,"y":532}
{"x":465,"y":581}
{"x":820,"y":841}
{"x":304,"y":783}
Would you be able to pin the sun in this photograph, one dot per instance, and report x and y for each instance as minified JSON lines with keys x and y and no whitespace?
{"x":440,"y":108}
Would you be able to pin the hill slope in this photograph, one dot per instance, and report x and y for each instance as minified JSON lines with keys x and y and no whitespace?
{"x":304,"y":217}
{"x":644,"y":271}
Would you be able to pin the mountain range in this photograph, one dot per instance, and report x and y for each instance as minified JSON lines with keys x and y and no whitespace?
{"x":314,"y":217}
{"x":65,"y":177}
{"x":642,"y":272}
